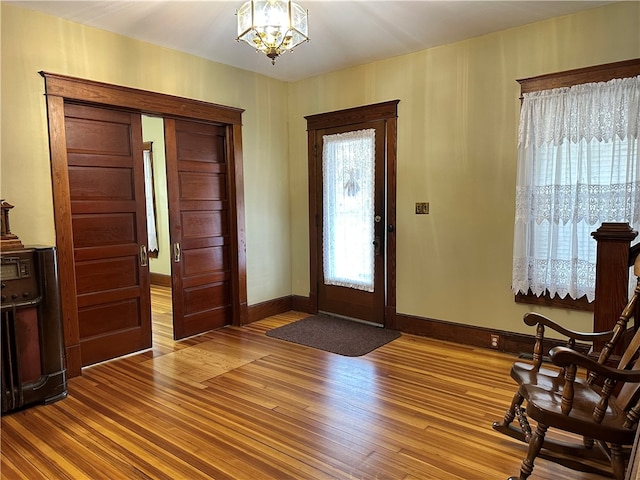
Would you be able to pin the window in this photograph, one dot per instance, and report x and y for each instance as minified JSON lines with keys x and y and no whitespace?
{"x":348,"y":208}
{"x":578,"y":167}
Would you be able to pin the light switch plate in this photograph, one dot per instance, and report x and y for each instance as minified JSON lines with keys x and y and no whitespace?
{"x":422,"y":208}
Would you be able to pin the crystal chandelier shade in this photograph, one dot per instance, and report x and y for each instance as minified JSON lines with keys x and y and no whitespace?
{"x":272,"y":26}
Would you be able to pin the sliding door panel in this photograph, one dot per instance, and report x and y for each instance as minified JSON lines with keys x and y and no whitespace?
{"x":199,"y":226}
{"x":109,"y":230}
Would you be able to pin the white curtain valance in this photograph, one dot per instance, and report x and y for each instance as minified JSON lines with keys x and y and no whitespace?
{"x":600,"y":111}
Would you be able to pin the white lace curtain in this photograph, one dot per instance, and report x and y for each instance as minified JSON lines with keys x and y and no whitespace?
{"x":578,"y":167}
{"x":348,"y":162}
{"x":152,"y":234}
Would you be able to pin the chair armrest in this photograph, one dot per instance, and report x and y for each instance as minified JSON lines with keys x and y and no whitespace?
{"x":563,"y":357}
{"x":533,"y":318}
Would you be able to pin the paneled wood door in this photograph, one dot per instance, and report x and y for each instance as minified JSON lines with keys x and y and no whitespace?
{"x":199,"y":224}
{"x":106,"y":184}
{"x":353,"y":295}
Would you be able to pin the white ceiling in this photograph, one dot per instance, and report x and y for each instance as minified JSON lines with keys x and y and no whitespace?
{"x":343,"y":33}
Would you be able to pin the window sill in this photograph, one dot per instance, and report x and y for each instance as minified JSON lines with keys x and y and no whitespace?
{"x":546,"y":300}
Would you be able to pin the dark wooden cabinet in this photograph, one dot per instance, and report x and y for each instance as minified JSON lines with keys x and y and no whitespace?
{"x":32,"y":362}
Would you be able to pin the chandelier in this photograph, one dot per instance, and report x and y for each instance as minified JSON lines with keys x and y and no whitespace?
{"x":272,"y":26}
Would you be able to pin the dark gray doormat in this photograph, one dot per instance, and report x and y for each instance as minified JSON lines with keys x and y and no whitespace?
{"x":336,"y":335}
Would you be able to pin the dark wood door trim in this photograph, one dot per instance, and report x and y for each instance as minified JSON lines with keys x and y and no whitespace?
{"x":235,"y":179}
{"x":386,"y":111}
{"x":64,"y":234}
{"x":350,"y":116}
{"x":143,"y":101}
{"x":60,"y":88}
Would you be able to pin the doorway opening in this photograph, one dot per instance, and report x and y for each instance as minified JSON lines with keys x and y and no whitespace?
{"x":156,"y":195}
{"x":95,"y":138}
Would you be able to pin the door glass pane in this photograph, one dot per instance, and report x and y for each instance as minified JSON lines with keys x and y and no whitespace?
{"x":348,"y":161}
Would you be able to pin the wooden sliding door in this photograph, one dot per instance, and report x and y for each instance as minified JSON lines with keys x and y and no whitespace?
{"x":95,"y":139}
{"x":199,"y":226}
{"x":106,"y":184}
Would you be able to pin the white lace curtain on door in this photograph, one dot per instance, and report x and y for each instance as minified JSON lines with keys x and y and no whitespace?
{"x":578,"y":167}
{"x":348,"y":209}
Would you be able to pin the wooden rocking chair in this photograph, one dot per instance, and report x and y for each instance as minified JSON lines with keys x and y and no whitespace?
{"x":586,"y":406}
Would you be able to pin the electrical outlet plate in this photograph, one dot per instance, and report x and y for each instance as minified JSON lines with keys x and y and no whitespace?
{"x":495,"y":341}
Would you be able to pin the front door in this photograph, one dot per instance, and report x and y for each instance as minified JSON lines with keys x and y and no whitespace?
{"x":352,"y":212}
{"x":351,"y":233}
{"x":106,"y":184}
{"x":199,"y":224}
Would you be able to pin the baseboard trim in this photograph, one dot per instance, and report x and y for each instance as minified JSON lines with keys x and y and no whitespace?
{"x":278,"y":306}
{"x":508,"y":342}
{"x":160,"y":279}
{"x":266,"y":309}
{"x":301,"y":304}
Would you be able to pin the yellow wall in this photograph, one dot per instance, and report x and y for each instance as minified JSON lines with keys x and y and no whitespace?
{"x":458,"y":115}
{"x":33,"y":42}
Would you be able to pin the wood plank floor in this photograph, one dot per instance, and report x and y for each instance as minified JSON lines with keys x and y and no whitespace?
{"x":236,"y":404}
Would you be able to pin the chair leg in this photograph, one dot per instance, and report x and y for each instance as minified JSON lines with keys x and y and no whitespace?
{"x":511,"y":413}
{"x":535,"y":444}
{"x":617,"y":462}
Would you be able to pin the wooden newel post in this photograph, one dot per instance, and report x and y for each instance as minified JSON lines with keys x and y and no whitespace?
{"x":612,"y":276}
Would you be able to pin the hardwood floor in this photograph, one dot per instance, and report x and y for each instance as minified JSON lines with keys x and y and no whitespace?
{"x":236,"y":404}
